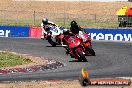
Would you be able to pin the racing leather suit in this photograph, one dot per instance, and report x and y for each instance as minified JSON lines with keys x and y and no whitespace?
{"x":44,"y":29}
{"x":77,"y":30}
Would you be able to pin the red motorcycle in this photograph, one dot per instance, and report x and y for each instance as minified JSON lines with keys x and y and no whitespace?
{"x":75,"y":48}
{"x":87,"y":44}
{"x":79,"y":46}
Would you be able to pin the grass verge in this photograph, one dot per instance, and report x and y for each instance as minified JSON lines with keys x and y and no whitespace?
{"x":8,"y":59}
{"x":65,"y":23}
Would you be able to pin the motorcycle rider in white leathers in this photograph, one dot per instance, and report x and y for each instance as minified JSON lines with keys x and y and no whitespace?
{"x":46,"y":22}
{"x":55,"y":32}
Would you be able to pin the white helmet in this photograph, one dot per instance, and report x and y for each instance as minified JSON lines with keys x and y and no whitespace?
{"x":45,"y":20}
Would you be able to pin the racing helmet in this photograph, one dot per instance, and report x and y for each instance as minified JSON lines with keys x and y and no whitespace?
{"x":45,"y":20}
{"x":74,"y":27}
{"x":73,"y":23}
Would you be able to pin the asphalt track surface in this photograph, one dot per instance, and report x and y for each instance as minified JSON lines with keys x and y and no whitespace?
{"x":113,"y":59}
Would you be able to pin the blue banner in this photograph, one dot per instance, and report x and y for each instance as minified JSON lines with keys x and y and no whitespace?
{"x":14,"y":31}
{"x":110,"y":34}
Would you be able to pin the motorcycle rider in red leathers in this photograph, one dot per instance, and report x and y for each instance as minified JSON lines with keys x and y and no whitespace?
{"x":45,"y":23}
{"x":75,"y":30}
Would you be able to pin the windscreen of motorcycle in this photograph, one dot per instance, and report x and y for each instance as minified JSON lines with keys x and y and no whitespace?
{"x":84,"y":37}
{"x":55,"y":31}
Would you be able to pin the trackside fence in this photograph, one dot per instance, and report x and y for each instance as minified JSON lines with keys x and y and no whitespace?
{"x":33,"y":18}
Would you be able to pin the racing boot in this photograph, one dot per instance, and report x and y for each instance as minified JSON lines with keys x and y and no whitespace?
{"x":42,"y":37}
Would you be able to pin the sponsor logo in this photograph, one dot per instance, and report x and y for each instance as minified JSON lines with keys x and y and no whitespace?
{"x":4,"y":33}
{"x":85,"y":80}
{"x":115,"y":37}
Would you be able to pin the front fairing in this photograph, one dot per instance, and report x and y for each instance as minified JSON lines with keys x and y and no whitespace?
{"x":55,"y":31}
{"x":73,"y":42}
{"x":85,"y":37}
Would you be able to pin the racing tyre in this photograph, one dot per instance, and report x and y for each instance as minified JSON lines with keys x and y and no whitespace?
{"x":51,"y":42}
{"x":91,"y":51}
{"x":82,"y":57}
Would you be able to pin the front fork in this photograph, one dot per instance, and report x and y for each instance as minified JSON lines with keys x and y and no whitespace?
{"x":74,"y":52}
{"x":71,"y":52}
{"x":59,"y":39}
{"x":79,"y":49}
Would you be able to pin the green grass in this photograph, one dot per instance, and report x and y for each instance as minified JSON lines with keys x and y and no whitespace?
{"x":65,"y":23}
{"x":103,"y":25}
{"x":8,"y":59}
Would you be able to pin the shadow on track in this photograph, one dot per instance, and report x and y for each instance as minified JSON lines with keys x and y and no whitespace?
{"x":76,"y":61}
{"x":54,"y":46}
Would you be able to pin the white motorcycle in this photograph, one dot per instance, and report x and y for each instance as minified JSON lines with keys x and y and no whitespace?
{"x":55,"y":36}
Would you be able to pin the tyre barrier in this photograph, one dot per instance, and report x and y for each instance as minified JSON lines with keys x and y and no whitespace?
{"x":50,"y":66}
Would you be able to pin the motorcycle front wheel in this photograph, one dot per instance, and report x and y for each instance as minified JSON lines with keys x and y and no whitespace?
{"x":52,"y":42}
{"x":82,"y":57}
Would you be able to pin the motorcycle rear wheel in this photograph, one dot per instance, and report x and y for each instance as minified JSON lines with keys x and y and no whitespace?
{"x":52,"y":42}
{"x":90,"y":50}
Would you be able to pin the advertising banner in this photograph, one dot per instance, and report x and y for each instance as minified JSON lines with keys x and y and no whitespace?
{"x":14,"y":31}
{"x":110,"y":34}
{"x":35,"y":32}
